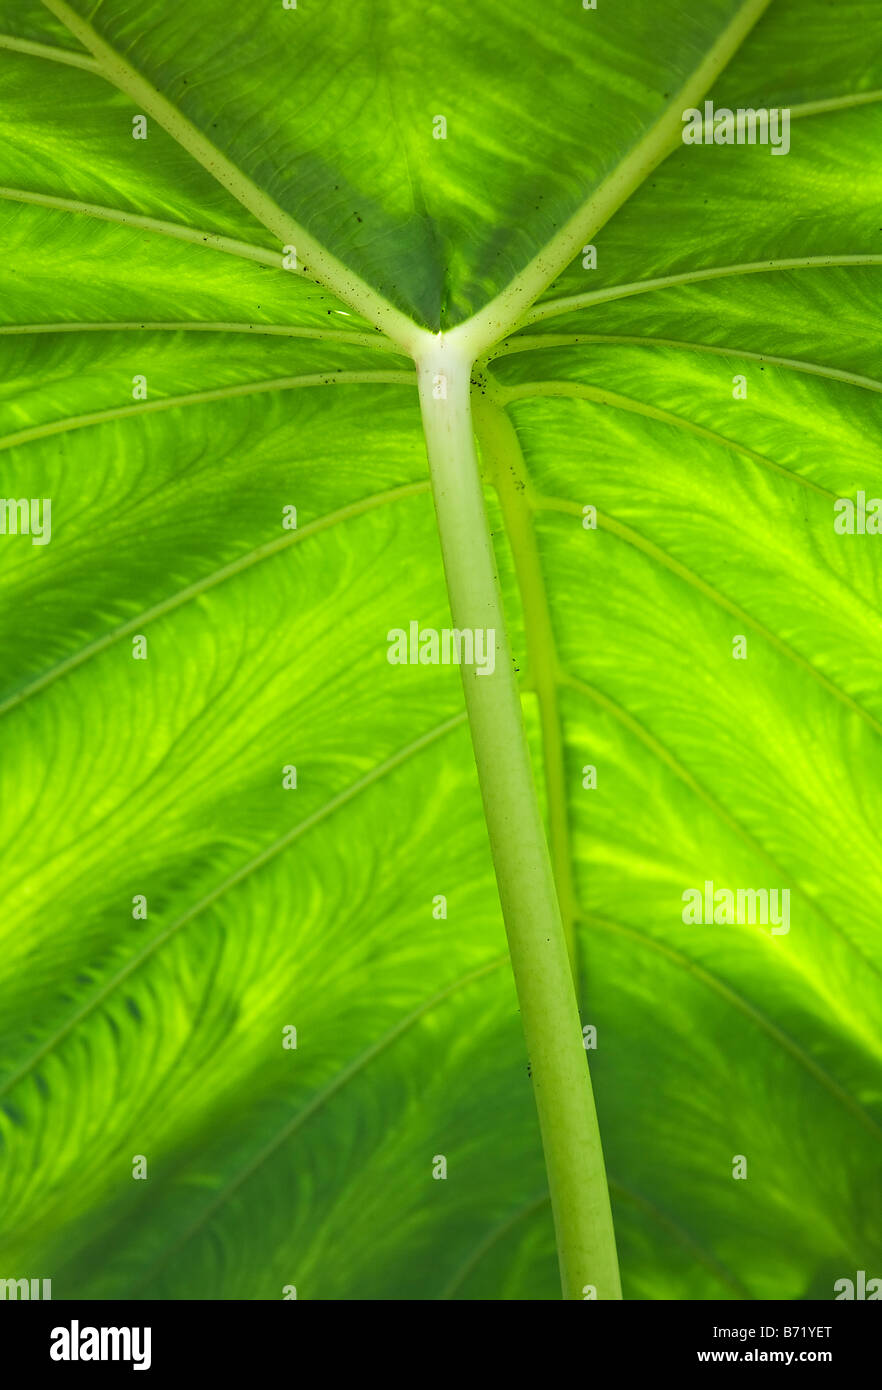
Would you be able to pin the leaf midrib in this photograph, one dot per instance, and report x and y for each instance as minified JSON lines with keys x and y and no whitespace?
{"x":313,"y":259}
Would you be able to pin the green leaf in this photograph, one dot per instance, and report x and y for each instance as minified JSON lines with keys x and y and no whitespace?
{"x":175,"y":382}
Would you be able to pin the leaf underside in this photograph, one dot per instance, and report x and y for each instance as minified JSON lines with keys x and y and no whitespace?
{"x":268,"y":907}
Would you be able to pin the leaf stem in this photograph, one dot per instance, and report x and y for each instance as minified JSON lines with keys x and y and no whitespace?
{"x":561,"y":1083}
{"x":504,"y":464}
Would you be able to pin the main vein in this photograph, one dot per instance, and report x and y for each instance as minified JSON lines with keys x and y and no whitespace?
{"x":504,"y":462}
{"x":314,"y":259}
{"x":507,"y":310}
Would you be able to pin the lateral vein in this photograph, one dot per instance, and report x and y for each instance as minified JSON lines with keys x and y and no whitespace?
{"x":210,"y":581}
{"x":232,"y":881}
{"x":528,"y":343}
{"x":744,"y":1006}
{"x":576,"y":390}
{"x":49,"y":51}
{"x":321,"y":1098}
{"x":246,"y":388}
{"x":551,"y":308}
{"x":283,"y":330}
{"x":213,"y":240}
{"x":669,"y":760}
{"x":503,"y":458}
{"x":654,"y":552}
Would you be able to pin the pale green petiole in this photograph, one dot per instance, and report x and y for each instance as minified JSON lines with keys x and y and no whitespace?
{"x":562,"y":1086}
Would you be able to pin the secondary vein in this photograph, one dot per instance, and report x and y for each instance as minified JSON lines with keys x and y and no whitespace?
{"x":282,"y":330}
{"x":654,"y":552}
{"x":321,"y":1098}
{"x":213,"y":240}
{"x":232,"y":881}
{"x":669,"y":760}
{"x":247,"y":388}
{"x":744,"y":1006}
{"x":46,"y":50}
{"x":550,"y":308}
{"x":535,"y":342}
{"x":210,"y":581}
{"x":579,"y":391}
